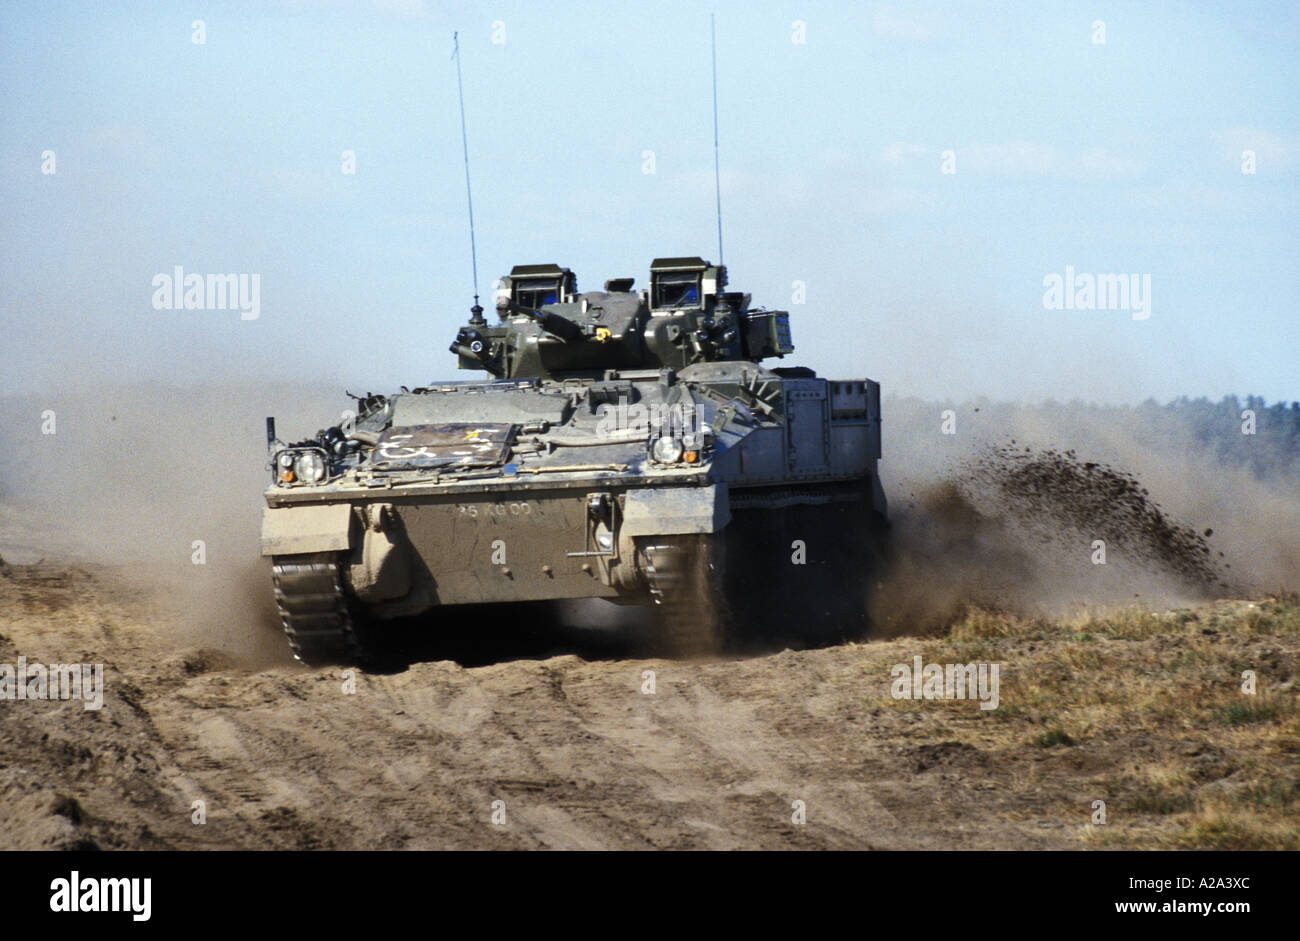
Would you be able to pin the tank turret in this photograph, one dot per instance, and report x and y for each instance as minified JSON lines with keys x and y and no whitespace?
{"x":548,"y":329}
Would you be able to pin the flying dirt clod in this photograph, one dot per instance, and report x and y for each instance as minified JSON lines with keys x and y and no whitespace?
{"x":1050,"y":491}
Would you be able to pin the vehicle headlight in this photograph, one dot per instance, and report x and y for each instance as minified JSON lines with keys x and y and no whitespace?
{"x":666,"y":450}
{"x":283,"y":467}
{"x":309,"y":467}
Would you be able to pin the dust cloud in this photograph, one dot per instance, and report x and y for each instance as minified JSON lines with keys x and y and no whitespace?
{"x":164,"y":485}
{"x":1010,"y":509}
{"x":152,"y":479}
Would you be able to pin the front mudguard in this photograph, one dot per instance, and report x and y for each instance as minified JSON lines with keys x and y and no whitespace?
{"x":368,"y":539}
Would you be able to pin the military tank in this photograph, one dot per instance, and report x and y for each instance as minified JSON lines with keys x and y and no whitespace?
{"x":624,"y":445}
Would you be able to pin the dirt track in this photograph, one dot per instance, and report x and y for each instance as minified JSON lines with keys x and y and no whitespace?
{"x":582,"y":758}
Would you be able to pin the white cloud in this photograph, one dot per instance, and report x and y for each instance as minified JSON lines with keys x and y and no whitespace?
{"x":1270,"y":149}
{"x":413,"y":8}
{"x":1025,"y":158}
{"x":298,"y":183}
{"x":896,"y":153}
{"x":827,"y":189}
{"x":892,"y":24}
{"x":125,"y":144}
{"x":417,"y":8}
{"x":1016,"y":158}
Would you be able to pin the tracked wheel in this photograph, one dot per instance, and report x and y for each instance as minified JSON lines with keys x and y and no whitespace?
{"x":685,"y":576}
{"x":321,"y":624}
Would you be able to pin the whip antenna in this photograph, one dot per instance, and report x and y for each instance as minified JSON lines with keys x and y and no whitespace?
{"x":476,"y":311}
{"x":717,"y":178}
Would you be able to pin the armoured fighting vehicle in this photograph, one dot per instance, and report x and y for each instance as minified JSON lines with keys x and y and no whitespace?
{"x":624,"y":444}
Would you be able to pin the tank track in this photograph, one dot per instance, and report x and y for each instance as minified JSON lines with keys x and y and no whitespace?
{"x":314,"y":610}
{"x":684,"y":576}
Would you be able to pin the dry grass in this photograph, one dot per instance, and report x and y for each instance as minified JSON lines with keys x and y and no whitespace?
{"x":1147,"y":712}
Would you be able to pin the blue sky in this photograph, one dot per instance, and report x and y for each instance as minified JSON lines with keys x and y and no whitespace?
{"x":226,"y":156}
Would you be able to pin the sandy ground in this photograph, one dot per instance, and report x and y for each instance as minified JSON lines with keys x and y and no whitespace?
{"x":580,"y":754}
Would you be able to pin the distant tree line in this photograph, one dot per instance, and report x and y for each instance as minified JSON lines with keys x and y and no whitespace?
{"x":1245,"y":434}
{"x":1221,"y":429}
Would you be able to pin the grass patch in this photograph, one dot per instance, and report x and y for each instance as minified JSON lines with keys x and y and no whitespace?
{"x":1181,"y":756}
{"x":1239,"y":713}
{"x":1216,"y":828}
{"x":1051,"y":738}
{"x":1271,"y":793}
{"x":987,"y":624}
{"x":1158,"y":800}
{"x":1133,"y":624}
